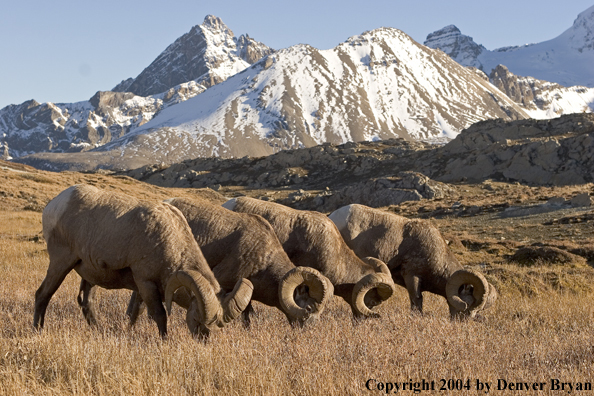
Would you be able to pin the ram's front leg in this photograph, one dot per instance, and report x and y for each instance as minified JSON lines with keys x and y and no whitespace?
{"x":62,"y":261}
{"x":149,"y":292}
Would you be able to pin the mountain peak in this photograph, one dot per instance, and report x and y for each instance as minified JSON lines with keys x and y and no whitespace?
{"x":459,"y":47}
{"x":585,"y":17}
{"x":207,"y":55}
{"x":447,"y":31}
{"x":215,"y":23}
{"x":565,"y":59}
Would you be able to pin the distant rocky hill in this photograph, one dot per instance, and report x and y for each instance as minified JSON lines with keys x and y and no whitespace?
{"x":546,"y":152}
{"x":559,"y":151}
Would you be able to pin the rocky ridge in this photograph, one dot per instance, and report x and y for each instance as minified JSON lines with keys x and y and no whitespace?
{"x":351,"y":169}
{"x":559,"y":151}
{"x":459,"y":47}
{"x":542,"y":99}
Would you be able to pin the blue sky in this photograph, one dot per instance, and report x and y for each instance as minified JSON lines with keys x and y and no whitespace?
{"x":65,"y":51}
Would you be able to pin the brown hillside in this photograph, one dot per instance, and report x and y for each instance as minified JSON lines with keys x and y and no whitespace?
{"x":23,"y":187}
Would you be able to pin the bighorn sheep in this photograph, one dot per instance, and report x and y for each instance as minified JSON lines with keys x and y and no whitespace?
{"x":310,"y":239}
{"x":116,"y":241}
{"x":242,"y":245}
{"x":418,"y":257}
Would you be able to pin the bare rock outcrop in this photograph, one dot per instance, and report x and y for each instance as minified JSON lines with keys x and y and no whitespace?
{"x":542,"y":99}
{"x":559,"y":151}
{"x":518,"y":90}
{"x":406,"y":186}
{"x":308,"y":168}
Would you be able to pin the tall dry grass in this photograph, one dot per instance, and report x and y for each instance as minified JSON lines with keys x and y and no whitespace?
{"x":524,"y":338}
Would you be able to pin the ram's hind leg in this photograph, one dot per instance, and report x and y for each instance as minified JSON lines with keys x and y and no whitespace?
{"x":62,"y":261}
{"x":86,"y":301}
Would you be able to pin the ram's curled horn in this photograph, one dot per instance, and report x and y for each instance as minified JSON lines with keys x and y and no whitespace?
{"x":320,"y":289}
{"x":237,"y":301}
{"x":207,"y":305}
{"x":378,"y":265}
{"x":381,"y":282}
{"x":480,"y":290}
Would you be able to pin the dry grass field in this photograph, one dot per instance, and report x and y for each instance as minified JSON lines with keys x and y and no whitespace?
{"x":540,"y":330}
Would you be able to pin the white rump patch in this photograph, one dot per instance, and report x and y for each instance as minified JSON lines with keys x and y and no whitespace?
{"x":341,"y":216}
{"x":230,"y":204}
{"x":55,"y":209}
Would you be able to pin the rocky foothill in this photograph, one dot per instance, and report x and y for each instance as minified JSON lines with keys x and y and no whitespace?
{"x":322,"y":177}
{"x":555,"y":152}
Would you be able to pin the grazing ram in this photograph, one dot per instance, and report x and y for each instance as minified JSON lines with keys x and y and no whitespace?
{"x":119,"y":242}
{"x":418,"y":257}
{"x":310,"y":239}
{"x":242,"y":245}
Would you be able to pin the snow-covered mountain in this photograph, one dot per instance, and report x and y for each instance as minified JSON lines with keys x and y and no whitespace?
{"x":33,"y":127}
{"x":378,"y":85}
{"x":566,"y":59}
